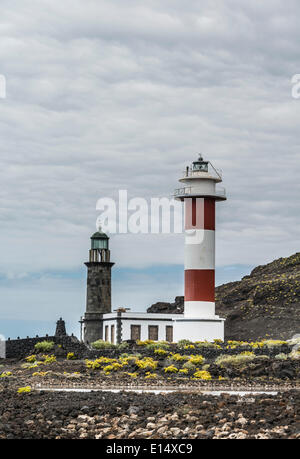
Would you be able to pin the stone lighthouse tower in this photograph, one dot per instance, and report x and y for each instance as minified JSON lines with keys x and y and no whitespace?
{"x":98,"y":297}
{"x":199,"y":195}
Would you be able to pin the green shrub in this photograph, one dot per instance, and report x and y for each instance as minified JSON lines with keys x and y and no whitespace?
{"x":158,"y":345}
{"x":133,"y":357}
{"x":44,"y":346}
{"x":295,"y":355}
{"x":206,"y":344}
{"x":184,"y":342}
{"x":234,"y":360}
{"x":281,"y":356}
{"x":100,"y":344}
{"x":205,"y":367}
{"x":273,"y":343}
{"x":124,"y":355}
{"x":122,"y":346}
{"x":189,"y":366}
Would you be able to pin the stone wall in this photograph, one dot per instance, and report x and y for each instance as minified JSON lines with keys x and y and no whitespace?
{"x":19,"y":348}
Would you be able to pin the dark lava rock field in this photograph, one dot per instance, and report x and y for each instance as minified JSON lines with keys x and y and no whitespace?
{"x":97,"y":415}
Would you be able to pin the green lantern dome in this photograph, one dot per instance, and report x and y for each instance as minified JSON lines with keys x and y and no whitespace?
{"x":99,"y":240}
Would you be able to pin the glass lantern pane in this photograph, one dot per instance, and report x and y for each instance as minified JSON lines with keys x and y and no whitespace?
{"x":99,"y":243}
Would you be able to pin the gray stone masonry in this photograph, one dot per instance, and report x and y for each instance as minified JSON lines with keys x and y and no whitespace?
{"x":98,"y":299}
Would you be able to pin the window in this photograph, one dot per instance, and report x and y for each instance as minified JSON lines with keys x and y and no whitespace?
{"x":112,"y":334}
{"x":106,"y":332}
{"x":153,"y":332}
{"x":135,"y":332}
{"x":169,"y":333}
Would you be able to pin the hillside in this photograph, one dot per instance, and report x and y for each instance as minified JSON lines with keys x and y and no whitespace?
{"x":265,"y":303}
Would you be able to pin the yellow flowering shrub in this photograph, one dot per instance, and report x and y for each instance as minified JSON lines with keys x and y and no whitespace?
{"x":273,"y":342}
{"x":99,"y":363}
{"x":49,"y":359}
{"x":202,"y":375}
{"x":71,"y":356}
{"x":171,"y":369}
{"x":160,"y":351}
{"x":144,"y":343}
{"x":184,"y":371}
{"x":196,"y":359}
{"x":5,"y":374}
{"x":146,"y":363}
{"x":24,"y":390}
{"x":269,"y":343}
{"x":232,"y":344}
{"x":31,"y":358}
{"x":150,"y":375}
{"x":75,"y":374}
{"x":129,"y":359}
{"x":132,"y":375}
{"x":179,"y":357}
{"x":113,"y":367}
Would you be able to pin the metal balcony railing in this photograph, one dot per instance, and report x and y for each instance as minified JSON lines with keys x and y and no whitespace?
{"x":192,"y":191}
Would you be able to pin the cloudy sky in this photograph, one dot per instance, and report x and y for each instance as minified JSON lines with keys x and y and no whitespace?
{"x":108,"y":95}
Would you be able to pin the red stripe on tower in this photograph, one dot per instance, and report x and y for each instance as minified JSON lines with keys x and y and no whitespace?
{"x":199,"y":285}
{"x":199,"y":213}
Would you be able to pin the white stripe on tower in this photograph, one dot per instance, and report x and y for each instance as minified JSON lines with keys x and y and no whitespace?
{"x":199,"y":259}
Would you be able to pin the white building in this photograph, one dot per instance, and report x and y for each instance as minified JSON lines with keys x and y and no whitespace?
{"x":121,"y":326}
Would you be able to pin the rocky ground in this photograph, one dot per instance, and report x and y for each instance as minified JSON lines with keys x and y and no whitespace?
{"x":127,"y":415}
{"x":29,"y":409}
{"x":265,"y":303}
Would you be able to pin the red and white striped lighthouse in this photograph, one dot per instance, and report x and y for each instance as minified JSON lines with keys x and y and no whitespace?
{"x":199,"y":195}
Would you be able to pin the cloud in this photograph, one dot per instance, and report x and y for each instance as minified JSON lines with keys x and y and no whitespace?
{"x":103,"y":96}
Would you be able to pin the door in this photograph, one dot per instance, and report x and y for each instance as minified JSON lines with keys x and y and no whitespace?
{"x":135,"y":332}
{"x":169,"y":333}
{"x":153,"y":332}
{"x":112,"y":334}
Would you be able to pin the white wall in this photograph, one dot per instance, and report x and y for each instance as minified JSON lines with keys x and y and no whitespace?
{"x":196,"y":330}
{"x":142,"y":319}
